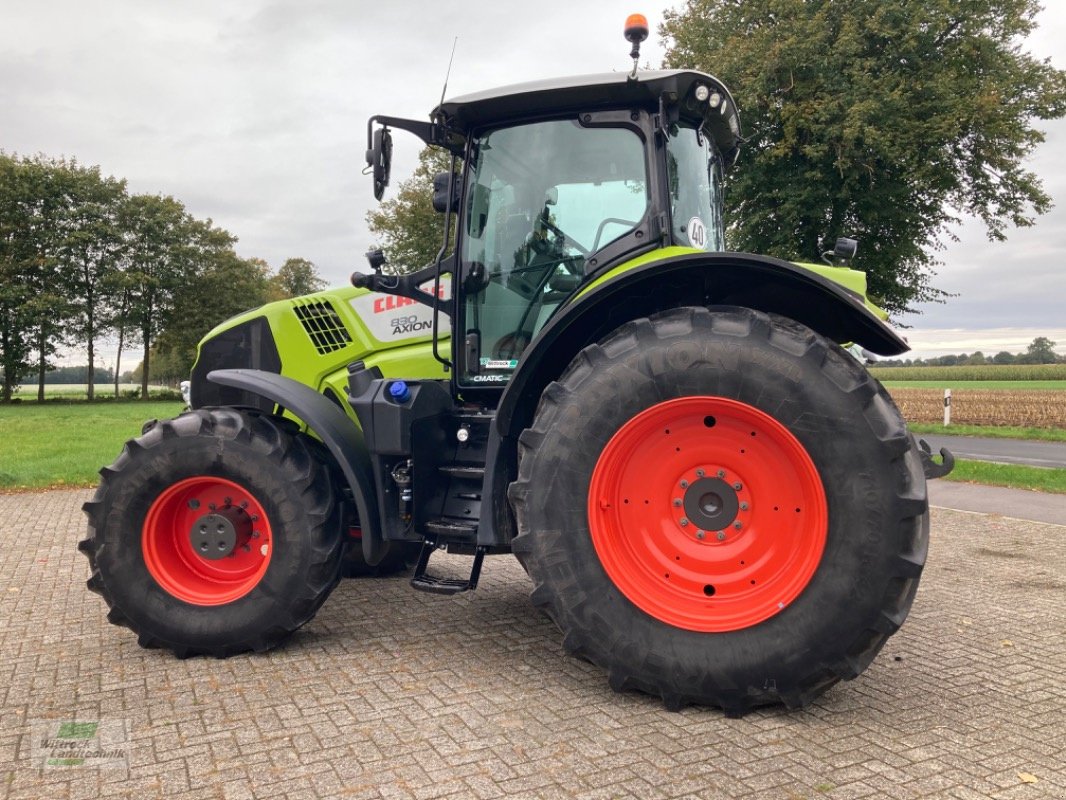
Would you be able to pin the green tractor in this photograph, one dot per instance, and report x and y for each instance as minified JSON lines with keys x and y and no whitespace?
{"x":714,"y":500}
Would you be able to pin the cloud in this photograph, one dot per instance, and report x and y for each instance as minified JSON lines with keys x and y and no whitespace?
{"x":930,"y":342}
{"x":254,"y":114}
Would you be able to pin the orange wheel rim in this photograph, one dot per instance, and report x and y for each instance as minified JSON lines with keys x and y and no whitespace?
{"x":707,"y":514}
{"x":206,"y":541}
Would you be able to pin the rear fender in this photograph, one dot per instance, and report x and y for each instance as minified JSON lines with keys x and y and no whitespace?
{"x":700,"y":279}
{"x":761,"y":283}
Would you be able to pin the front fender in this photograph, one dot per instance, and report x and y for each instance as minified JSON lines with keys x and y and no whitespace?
{"x":338,"y":433}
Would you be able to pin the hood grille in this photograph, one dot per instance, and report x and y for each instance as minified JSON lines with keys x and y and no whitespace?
{"x":323,"y":325}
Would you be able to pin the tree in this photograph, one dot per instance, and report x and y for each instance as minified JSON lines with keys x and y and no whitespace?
{"x":156,"y":256}
{"x":15,"y":249}
{"x":223,"y":285}
{"x":74,"y":375}
{"x":879,"y":120}
{"x":409,"y":230}
{"x":1041,"y":351}
{"x":89,"y":255}
{"x":35,"y":195}
{"x":297,"y":276}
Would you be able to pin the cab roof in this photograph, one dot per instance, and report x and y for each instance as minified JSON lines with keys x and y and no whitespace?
{"x":553,"y":96}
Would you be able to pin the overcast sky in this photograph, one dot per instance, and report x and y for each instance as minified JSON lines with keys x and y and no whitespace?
{"x":253,"y":113}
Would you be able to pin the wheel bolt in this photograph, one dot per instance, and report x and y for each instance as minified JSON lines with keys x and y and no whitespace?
{"x":684,"y":484}
{"x":700,"y":534}
{"x":255,"y":518}
{"x":721,"y":473}
{"x":194,"y":504}
{"x":700,"y":473}
{"x":743,"y":506}
{"x":737,"y":525}
{"x":227,"y":502}
{"x":677,"y":501}
{"x":684,"y":522}
{"x":255,"y":534}
{"x":212,"y":506}
{"x":244,"y":504}
{"x":246,"y":549}
{"x":738,"y":486}
{"x":721,"y":536}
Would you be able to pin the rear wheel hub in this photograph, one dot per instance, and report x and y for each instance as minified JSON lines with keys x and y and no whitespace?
{"x":707,"y":513}
{"x":710,"y":504}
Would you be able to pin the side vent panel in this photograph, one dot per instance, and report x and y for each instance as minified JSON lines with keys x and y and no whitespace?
{"x":323,"y":325}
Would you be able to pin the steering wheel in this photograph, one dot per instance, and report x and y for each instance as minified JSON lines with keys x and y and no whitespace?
{"x":564,"y":236}
{"x":604,"y":224}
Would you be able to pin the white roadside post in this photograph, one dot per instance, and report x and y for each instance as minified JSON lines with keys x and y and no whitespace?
{"x":947,"y":407}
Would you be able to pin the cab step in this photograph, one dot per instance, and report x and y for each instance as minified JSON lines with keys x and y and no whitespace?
{"x":430,"y":583}
{"x":452,"y":528}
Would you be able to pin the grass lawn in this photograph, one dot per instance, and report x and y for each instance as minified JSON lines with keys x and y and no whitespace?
{"x":997,"y":432}
{"x":951,"y":383}
{"x":65,"y":444}
{"x":1010,"y":475}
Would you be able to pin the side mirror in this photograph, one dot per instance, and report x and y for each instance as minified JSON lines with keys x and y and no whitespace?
{"x":842,"y":253}
{"x":379,"y":160}
{"x":845,"y":249}
{"x":440,"y":192}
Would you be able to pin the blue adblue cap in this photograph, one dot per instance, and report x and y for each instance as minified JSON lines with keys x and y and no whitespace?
{"x":399,"y":391}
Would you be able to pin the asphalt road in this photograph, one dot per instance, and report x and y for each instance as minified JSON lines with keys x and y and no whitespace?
{"x":1004,"y":451}
{"x":1019,"y":504}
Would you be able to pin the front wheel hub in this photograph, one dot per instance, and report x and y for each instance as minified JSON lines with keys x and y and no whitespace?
{"x":707,"y":513}
{"x":207,"y":540}
{"x":218,"y":534}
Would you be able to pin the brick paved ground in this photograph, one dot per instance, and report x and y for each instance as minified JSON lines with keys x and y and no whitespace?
{"x":392,"y":693}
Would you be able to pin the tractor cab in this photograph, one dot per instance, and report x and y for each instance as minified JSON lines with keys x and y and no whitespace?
{"x":561,"y":181}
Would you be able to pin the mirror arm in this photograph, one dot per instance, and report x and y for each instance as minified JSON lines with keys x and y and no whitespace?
{"x":401,"y":285}
{"x":429,"y":132}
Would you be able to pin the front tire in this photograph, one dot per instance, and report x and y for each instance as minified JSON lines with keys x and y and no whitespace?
{"x":721,"y":507}
{"x":214,"y":533}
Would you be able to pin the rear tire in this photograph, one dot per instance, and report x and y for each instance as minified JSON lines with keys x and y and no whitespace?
{"x":255,"y":481}
{"x":766,"y":606}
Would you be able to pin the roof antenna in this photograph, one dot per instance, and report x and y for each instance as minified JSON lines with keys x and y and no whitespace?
{"x":447,"y":74}
{"x":636,"y":32}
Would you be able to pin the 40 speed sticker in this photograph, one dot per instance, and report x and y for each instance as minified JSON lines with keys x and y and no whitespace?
{"x":697,"y":233}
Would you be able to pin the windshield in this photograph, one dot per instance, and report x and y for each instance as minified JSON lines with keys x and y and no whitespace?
{"x":540,"y":199}
{"x":694,"y":172}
